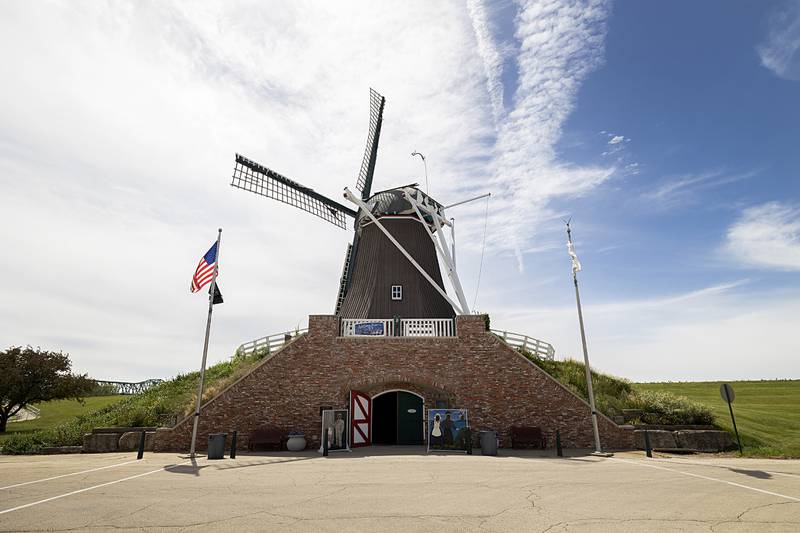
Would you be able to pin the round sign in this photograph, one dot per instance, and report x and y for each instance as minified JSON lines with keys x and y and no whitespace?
{"x":726,"y":391}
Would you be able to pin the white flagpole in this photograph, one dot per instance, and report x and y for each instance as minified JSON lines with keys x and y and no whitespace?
{"x":576,"y":266}
{"x":205,"y":348}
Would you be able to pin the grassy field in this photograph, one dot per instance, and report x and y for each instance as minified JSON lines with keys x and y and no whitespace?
{"x":57,"y":412}
{"x":767,"y":412}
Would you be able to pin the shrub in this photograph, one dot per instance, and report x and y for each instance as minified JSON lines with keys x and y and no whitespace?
{"x":613,"y":394}
{"x":661,"y":407}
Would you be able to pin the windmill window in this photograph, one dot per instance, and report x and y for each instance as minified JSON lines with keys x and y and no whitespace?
{"x":397,"y":292}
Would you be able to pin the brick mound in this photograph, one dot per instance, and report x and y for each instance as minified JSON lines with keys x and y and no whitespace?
{"x":475,"y":370}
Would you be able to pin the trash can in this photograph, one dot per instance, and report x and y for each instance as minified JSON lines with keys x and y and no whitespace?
{"x":488,"y":442}
{"x":216,"y":445}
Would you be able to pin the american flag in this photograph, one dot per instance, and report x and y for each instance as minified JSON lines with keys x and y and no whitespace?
{"x":205,"y":269}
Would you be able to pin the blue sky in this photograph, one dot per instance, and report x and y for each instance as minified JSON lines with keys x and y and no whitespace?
{"x":711,"y":130}
{"x":667,"y":131}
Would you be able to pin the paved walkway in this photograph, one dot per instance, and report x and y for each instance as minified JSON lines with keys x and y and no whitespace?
{"x":398,"y":489}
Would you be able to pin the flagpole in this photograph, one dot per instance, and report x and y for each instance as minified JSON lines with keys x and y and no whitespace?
{"x":575,"y":268}
{"x":205,"y":349}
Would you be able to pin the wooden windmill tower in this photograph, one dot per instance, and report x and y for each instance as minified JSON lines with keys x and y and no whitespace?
{"x":391,"y":268}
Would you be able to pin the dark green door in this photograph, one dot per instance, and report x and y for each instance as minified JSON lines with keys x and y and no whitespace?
{"x":409,"y":418}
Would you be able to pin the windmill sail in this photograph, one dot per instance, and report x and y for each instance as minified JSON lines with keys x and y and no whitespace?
{"x":250,"y":176}
{"x":376,"y":103}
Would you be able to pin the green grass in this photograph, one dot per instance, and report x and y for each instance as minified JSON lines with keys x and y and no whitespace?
{"x":767,"y":412}
{"x":56,"y":412}
{"x":155,"y":407}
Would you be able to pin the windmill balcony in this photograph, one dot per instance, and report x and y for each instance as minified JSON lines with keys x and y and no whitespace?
{"x":401,"y":327}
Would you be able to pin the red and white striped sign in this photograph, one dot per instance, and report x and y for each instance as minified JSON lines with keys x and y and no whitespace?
{"x":361,"y":418}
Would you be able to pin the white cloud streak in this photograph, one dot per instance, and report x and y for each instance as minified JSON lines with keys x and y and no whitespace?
{"x":560,"y":43}
{"x":490,"y":54}
{"x":766,"y":236}
{"x":780,"y":50}
{"x":684,"y":190}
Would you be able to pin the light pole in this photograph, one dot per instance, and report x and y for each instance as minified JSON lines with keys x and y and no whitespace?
{"x":424,"y":162}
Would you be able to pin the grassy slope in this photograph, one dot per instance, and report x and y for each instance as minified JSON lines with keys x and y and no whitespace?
{"x":59,"y":411}
{"x":165,"y":401}
{"x":767,"y":412}
{"x":613,"y":395}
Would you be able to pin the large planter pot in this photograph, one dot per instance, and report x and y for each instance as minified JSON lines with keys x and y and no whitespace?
{"x":296,"y":443}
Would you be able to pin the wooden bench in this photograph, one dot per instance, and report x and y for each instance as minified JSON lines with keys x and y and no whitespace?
{"x":527,"y":437}
{"x":271,"y":437}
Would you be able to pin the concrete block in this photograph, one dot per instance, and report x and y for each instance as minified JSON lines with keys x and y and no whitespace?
{"x":129,"y":441}
{"x":659,"y":438}
{"x":100,"y":442}
{"x":704,"y":440}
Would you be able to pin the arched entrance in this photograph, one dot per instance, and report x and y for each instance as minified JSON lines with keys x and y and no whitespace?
{"x":397,"y":418}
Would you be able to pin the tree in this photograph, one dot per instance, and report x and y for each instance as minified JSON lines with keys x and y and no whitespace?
{"x":28,"y":376}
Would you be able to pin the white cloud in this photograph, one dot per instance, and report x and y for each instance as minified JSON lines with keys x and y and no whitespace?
{"x":766,"y":236}
{"x":119,"y":125}
{"x":116,"y":150}
{"x":719,"y":332}
{"x":616,"y":139}
{"x":780,"y":50}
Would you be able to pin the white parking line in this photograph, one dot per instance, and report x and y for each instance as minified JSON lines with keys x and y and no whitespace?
{"x":91,"y":488}
{"x":642,"y":463}
{"x":717,"y":465}
{"x":67,"y":475}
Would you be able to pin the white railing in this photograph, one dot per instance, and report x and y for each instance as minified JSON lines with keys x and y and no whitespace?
{"x":367,"y":327}
{"x":427,"y":327}
{"x":409,"y":327}
{"x":538,"y":348}
{"x":268,"y":344}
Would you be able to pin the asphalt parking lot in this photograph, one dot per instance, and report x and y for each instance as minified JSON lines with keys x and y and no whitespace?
{"x":398,"y":489}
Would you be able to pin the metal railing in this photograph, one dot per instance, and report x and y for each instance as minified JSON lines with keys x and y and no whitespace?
{"x":127,"y":387}
{"x":268,"y":344}
{"x":409,"y":327}
{"x":29,"y":412}
{"x":537,"y":347}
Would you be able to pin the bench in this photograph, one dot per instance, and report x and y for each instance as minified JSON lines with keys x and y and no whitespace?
{"x":527,"y":437}
{"x":271,"y":437}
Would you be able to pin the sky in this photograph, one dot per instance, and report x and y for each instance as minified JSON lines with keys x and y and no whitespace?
{"x":667,"y":132}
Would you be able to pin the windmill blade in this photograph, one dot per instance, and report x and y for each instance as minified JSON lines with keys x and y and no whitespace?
{"x":376,"y":103}
{"x":250,"y":176}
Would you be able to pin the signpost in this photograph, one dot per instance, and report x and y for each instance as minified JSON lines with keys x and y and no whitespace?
{"x":726,"y":391}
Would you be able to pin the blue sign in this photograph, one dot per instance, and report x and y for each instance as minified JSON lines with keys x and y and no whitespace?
{"x":369,"y":328}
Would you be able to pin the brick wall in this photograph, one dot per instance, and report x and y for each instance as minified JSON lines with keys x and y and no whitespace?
{"x":474,"y":370}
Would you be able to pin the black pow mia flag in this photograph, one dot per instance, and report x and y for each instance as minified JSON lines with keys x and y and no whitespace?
{"x":217,"y":294}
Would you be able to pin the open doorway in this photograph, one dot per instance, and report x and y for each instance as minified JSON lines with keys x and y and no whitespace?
{"x":397,"y":418}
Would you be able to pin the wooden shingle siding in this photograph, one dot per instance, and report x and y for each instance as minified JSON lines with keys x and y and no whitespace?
{"x":379,"y":265}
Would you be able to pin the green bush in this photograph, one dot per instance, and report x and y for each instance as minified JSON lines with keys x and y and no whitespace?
{"x":661,"y":407}
{"x":613,"y":394}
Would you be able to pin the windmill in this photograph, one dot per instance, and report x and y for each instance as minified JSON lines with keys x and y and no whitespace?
{"x":391,"y":268}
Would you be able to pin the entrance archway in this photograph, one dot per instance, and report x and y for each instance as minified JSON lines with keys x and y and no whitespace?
{"x":397,"y":418}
